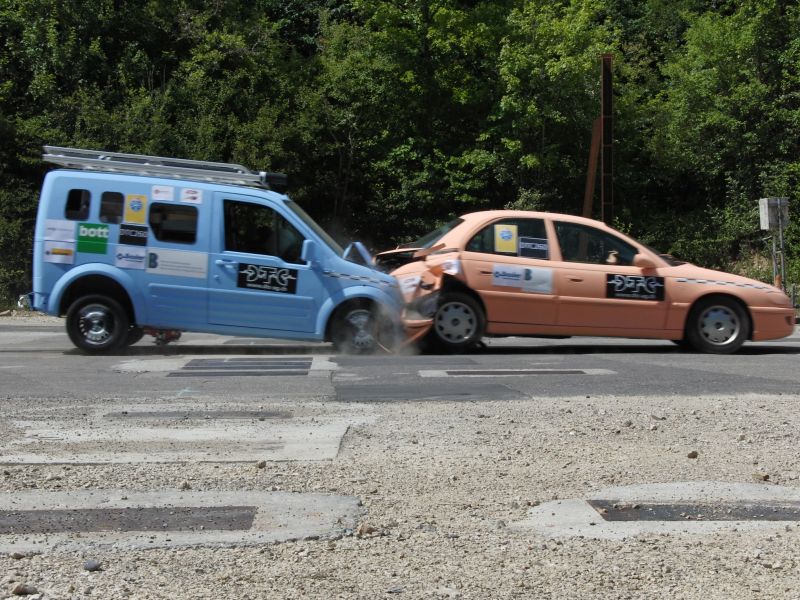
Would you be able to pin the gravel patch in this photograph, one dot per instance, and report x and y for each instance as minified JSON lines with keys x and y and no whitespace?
{"x":440,"y":484}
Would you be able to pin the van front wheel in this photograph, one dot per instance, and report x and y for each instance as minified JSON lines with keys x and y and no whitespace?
{"x":97,"y":324}
{"x":359,"y":328}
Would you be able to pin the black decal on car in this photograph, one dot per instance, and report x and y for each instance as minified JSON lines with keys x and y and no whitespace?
{"x":266,"y":278}
{"x":634,"y":287}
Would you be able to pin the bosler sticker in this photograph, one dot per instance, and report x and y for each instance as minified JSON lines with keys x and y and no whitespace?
{"x":59,"y":230}
{"x":530,"y":247}
{"x":192,"y":196}
{"x":135,"y":208}
{"x":177,"y":262}
{"x":133,"y":235}
{"x":92,"y":238}
{"x":505,"y":238}
{"x":59,"y":252}
{"x":635,"y":287}
{"x":130,"y":257}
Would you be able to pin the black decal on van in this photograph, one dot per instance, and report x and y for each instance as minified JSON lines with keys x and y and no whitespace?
{"x":133,"y":235}
{"x":266,"y":278}
{"x":634,"y":287}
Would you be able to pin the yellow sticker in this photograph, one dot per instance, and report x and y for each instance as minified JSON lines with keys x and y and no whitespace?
{"x":135,"y":208}
{"x":505,"y":238}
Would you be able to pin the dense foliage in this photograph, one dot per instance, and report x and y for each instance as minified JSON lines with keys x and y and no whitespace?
{"x":390,"y":117}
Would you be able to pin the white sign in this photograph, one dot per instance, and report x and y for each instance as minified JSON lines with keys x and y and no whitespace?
{"x":130,"y":257}
{"x":773,"y":213}
{"x":192,"y":196}
{"x":537,"y":280}
{"x":60,"y":230}
{"x":59,"y":252}
{"x":177,"y":262}
{"x":162,"y":192}
{"x":528,"y":279}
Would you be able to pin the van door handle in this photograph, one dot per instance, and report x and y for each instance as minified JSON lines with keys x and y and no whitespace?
{"x":225,"y":263}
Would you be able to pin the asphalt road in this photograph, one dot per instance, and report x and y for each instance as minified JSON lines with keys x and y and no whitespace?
{"x":38,"y":361}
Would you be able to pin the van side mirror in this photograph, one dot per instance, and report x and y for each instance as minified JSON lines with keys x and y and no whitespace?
{"x":309,"y":252}
{"x":643,"y":262}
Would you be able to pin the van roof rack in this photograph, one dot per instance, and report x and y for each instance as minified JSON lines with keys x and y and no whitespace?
{"x":174,"y":168}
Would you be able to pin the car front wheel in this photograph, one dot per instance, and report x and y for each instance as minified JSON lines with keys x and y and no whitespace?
{"x":458,"y":322}
{"x":718,"y":326}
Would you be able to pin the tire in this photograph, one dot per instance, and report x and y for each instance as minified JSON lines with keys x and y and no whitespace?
{"x":718,"y":326}
{"x":359,"y":328}
{"x":134,"y":335}
{"x":97,"y":324}
{"x":458,"y":323}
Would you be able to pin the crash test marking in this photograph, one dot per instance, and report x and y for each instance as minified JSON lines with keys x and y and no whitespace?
{"x":169,"y":433}
{"x":696,"y":507}
{"x":71,"y":521}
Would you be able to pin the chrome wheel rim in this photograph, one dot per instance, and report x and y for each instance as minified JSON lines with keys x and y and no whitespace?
{"x":455,"y":322}
{"x":96,"y":324}
{"x":719,"y":325}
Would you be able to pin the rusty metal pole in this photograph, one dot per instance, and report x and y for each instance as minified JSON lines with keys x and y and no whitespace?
{"x":591,"y":173}
{"x":607,"y":136}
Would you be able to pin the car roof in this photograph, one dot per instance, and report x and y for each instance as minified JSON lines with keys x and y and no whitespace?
{"x":490,"y":215}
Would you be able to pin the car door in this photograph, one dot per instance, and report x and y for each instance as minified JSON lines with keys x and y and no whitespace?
{"x":598,"y":285}
{"x":508,"y":263}
{"x":257,"y":278}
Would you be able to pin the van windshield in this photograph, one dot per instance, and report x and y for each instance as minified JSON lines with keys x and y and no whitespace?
{"x":323,"y":235}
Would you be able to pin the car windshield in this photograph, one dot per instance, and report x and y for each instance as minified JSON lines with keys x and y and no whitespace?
{"x":323,"y":235}
{"x":668,"y":258}
{"x":429,"y":239}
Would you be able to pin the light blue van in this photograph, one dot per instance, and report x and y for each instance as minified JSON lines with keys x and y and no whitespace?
{"x":129,"y":244}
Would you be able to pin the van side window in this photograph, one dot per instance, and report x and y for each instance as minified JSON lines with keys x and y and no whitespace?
{"x":174,"y":223}
{"x":258,"y":229}
{"x":111,"y":204}
{"x":77,"y":208}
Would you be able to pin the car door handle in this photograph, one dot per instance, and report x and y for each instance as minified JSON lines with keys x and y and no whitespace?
{"x":225,"y":263}
{"x":485,"y":272}
{"x":574,"y":278}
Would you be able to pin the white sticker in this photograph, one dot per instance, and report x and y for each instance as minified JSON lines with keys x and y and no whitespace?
{"x":192,"y":196}
{"x":451,"y":267}
{"x":60,"y":230}
{"x":537,"y":280}
{"x":59,"y":252}
{"x":507,"y":276}
{"x":177,"y":262}
{"x":130,"y":257}
{"x":408,"y":285}
{"x":162,"y":192}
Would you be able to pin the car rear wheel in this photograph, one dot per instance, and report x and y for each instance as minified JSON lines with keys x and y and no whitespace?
{"x":718,"y":326}
{"x":458,"y":323}
{"x":97,"y":324}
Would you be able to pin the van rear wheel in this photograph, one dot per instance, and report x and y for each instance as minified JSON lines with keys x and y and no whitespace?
{"x":97,"y":324}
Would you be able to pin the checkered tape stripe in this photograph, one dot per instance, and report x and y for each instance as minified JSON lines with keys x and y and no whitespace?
{"x":358,"y":278}
{"x":722,"y":283}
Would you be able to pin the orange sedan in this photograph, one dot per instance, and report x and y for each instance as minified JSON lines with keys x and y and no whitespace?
{"x":520,"y":273}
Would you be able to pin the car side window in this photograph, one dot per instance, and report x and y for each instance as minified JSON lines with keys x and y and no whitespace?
{"x":584,"y":244}
{"x":512,"y":237}
{"x":258,"y":229}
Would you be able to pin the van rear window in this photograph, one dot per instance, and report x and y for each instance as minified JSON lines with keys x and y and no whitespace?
{"x":77,"y":208}
{"x":174,"y":223}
